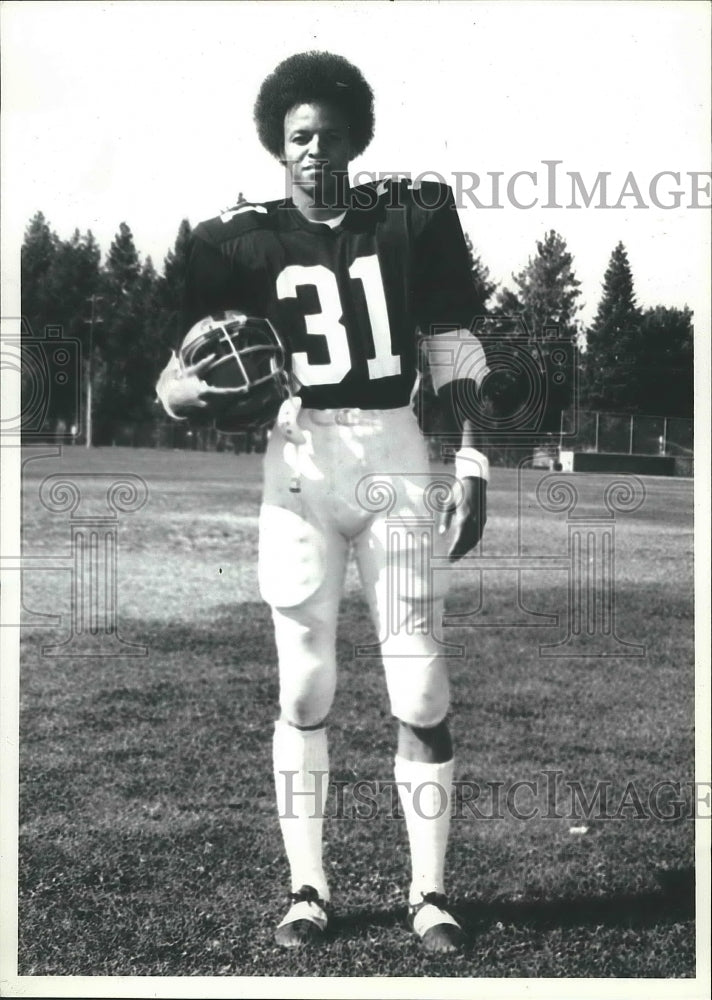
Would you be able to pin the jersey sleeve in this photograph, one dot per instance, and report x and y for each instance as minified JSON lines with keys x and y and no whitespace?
{"x":445,"y":295}
{"x":209,"y":283}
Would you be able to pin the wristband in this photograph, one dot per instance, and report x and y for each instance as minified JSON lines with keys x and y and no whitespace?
{"x":471,"y":462}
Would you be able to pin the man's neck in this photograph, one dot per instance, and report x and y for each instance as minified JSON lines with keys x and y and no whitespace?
{"x":319,"y":208}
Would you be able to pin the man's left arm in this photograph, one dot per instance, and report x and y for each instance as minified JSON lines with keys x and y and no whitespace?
{"x":448,"y":310}
{"x":458,"y":398}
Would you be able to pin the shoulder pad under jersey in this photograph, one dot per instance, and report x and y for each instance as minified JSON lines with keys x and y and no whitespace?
{"x":403,"y":192}
{"x":240,"y":219}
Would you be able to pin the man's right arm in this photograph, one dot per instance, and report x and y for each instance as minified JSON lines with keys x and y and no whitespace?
{"x":181,"y":391}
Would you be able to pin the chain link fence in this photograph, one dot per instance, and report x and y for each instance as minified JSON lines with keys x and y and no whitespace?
{"x":581,"y":431}
{"x":174,"y":435}
{"x":630,"y":434}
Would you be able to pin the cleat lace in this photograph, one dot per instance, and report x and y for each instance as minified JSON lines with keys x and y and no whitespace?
{"x":307,"y":894}
{"x":438,"y":899}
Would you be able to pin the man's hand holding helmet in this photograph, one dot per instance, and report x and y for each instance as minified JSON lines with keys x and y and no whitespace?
{"x":230,"y":368}
{"x":181,"y":390}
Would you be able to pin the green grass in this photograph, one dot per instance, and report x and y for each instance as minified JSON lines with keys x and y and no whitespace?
{"x":149,"y":843}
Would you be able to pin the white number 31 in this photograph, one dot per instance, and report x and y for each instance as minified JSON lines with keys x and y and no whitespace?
{"x":328,"y":322}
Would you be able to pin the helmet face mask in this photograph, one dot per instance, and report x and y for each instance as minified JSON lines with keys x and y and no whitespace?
{"x":249,"y":358}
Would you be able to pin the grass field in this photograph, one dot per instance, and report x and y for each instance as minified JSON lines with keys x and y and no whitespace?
{"x":149,"y":843}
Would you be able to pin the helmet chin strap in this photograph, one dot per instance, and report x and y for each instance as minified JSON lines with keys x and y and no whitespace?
{"x":287,"y":423}
{"x":287,"y":420}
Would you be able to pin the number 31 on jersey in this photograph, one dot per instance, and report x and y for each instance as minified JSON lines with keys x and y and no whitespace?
{"x":327,"y":322}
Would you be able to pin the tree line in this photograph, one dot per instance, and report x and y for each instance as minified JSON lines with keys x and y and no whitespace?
{"x":125,"y":315}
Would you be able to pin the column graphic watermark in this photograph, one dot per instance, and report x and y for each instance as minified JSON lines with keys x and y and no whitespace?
{"x":94,"y":543}
{"x":586,"y":563}
{"x":591,"y":620}
{"x":94,"y":503}
{"x":411,"y":508}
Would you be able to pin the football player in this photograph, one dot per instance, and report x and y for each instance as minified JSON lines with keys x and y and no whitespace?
{"x":359,"y":282}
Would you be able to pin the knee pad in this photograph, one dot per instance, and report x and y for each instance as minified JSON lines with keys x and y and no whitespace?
{"x":307,"y":670}
{"x":305,"y":709}
{"x":418,"y":683}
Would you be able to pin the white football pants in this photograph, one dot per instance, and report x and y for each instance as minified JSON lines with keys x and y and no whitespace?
{"x":359,"y":483}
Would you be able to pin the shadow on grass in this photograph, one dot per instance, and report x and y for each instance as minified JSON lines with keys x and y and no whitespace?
{"x":675,"y":903}
{"x":475,"y":616}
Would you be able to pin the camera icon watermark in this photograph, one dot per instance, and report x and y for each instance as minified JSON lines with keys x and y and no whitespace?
{"x":518,"y":393}
{"x":48,"y":367}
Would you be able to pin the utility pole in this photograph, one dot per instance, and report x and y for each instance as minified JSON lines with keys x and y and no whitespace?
{"x":91,"y":321}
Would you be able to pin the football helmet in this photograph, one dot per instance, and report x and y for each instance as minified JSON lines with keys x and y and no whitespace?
{"x":249,"y":358}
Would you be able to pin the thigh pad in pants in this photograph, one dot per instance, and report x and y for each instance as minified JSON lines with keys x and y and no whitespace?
{"x":292,"y":557}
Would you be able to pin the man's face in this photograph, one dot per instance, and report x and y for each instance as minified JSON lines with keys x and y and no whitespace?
{"x":317,"y":150}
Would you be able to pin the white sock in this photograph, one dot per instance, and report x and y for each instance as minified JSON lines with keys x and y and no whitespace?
{"x":426,"y":800}
{"x":301,"y":800}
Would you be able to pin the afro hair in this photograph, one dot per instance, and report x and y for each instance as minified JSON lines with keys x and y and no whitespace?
{"x":308,"y":77}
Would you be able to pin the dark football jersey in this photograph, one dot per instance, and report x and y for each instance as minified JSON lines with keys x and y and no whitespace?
{"x":349,"y":302}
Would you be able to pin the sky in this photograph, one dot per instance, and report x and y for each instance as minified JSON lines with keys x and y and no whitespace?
{"x":142,"y":112}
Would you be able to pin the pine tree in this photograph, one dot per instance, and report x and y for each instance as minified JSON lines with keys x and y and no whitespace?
{"x":170,"y":285}
{"x":612,"y":374}
{"x":667,"y":382}
{"x":145,"y":350}
{"x":123,"y":265}
{"x":74,"y":278}
{"x":122,"y":333}
{"x":547,"y":289}
{"x":540,"y":313}
{"x":175,"y":266}
{"x":39,"y":249}
{"x":508,"y":304}
{"x":58,"y":277}
{"x":480,"y":278}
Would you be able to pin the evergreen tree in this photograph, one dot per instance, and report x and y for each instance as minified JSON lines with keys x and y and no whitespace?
{"x":480,"y":278}
{"x":506,"y":318}
{"x":120,"y":337}
{"x":175,"y":266}
{"x":507,"y":304}
{"x":142,"y":354}
{"x":667,"y":383}
{"x":542,"y":310}
{"x":148,"y":350}
{"x":547,"y":289}
{"x":58,"y":277}
{"x":74,"y":278}
{"x":123,"y":265}
{"x":170,"y":292}
{"x":39,"y":249}
{"x":612,"y":372}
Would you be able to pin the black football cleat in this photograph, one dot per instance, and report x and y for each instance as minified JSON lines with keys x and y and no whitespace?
{"x":306,"y":919}
{"x":432,"y":922}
